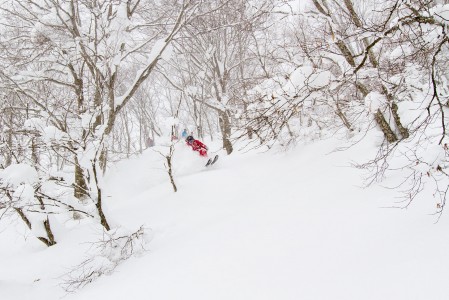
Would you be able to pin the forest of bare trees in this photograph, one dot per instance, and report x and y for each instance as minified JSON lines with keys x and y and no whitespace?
{"x":84,"y":84}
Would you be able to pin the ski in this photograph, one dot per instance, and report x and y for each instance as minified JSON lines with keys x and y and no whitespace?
{"x":209,"y":162}
{"x":212,"y":161}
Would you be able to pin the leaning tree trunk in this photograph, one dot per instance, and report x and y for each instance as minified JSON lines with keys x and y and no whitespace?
{"x":385,"y":127}
{"x":394,"y":110}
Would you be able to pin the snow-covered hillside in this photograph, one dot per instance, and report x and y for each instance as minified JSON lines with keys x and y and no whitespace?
{"x":275,"y":225}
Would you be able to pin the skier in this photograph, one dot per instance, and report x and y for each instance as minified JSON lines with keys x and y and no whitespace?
{"x":201,"y":148}
{"x":150,"y":142}
{"x":184,"y":134}
{"x":197,"y":145}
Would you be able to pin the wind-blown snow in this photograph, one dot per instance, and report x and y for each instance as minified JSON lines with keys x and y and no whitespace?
{"x":293,"y":225}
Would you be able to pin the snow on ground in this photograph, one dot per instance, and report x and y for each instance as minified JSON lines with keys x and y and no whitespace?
{"x":278,"y":225}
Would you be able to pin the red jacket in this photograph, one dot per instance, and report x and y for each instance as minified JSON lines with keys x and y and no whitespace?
{"x":199,"y":146}
{"x":196,"y":145}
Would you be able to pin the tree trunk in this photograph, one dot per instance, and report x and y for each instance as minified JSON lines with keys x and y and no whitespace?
{"x":385,"y":127}
{"x":170,"y":171}
{"x":404,"y":131}
{"x":225,"y":127}
{"x":99,"y":204}
{"x":343,"y":118}
{"x":8,"y":159}
{"x":80,"y":188}
{"x":50,"y":237}
{"x":34,"y":155}
{"x":355,"y":18}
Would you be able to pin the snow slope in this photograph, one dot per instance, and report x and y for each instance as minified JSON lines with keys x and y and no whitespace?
{"x":277,"y":225}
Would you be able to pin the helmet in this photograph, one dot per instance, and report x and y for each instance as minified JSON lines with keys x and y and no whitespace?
{"x":190,"y":139}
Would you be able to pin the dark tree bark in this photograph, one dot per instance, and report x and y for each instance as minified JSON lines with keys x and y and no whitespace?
{"x":385,"y":127}
{"x":225,"y":127}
